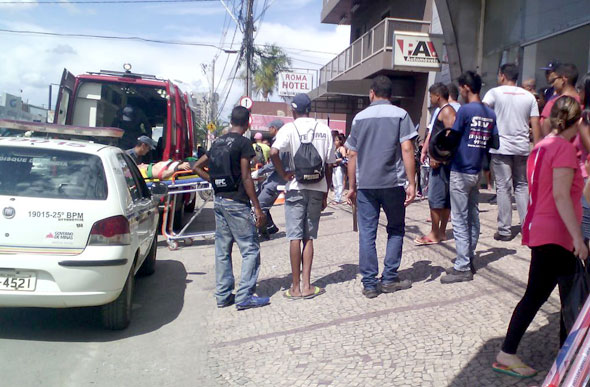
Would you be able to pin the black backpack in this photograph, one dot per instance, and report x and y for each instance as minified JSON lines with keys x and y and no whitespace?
{"x":309,"y":165}
{"x":220,"y":169}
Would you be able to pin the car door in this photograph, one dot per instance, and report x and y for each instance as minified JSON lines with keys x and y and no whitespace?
{"x":141,"y":212}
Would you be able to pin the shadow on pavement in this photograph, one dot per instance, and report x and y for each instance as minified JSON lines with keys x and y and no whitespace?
{"x":422,"y":271}
{"x":537,"y":349}
{"x":485,"y":257}
{"x":158,"y":300}
{"x":346,"y":273}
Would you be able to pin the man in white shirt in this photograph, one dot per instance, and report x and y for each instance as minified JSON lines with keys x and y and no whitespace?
{"x":515,"y":108}
{"x":307,"y":193}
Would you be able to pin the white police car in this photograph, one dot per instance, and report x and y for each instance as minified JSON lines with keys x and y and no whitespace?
{"x":77,"y":222}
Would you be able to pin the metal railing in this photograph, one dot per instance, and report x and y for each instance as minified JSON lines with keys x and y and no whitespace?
{"x":373,"y":42}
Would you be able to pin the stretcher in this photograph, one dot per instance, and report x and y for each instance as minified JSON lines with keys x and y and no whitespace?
{"x":181,"y":183}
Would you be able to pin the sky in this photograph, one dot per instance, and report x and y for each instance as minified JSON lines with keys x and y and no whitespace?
{"x":29,"y":63}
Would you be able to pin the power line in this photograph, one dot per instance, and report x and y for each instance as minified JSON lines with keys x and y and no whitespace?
{"x":103,"y":2}
{"x":135,"y":38}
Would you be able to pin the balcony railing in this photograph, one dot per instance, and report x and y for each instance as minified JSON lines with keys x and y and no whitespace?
{"x":375,"y":41}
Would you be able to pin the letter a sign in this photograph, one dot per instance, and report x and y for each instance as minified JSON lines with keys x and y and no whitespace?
{"x":417,"y":51}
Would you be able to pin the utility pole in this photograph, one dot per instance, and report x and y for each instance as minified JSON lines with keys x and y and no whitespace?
{"x":249,"y":46}
{"x":212,"y":104}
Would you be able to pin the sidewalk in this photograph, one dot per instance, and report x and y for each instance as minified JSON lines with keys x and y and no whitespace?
{"x":429,"y":335}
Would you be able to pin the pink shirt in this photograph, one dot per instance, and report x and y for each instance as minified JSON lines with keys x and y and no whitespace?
{"x":581,"y":152}
{"x":543,"y":224}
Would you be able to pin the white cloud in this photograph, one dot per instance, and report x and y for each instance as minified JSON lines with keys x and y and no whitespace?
{"x":31,"y":63}
{"x":197,"y":10}
{"x":15,"y":7}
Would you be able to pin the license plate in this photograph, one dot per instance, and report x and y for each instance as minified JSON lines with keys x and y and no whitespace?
{"x":22,"y":281}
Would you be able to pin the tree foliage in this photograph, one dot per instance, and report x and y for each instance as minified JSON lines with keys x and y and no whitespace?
{"x":268,"y":63}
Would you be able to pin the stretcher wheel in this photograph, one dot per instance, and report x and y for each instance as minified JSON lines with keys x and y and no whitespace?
{"x":173,"y":245}
{"x":188,"y":242}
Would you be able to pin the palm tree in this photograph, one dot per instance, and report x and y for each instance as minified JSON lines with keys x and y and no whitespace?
{"x":270,"y":61}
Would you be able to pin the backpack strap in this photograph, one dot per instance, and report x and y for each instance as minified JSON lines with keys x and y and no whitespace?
{"x":312,"y":134}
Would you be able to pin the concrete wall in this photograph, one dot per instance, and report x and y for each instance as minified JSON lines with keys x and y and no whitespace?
{"x":369,"y":15}
{"x":511,"y":29}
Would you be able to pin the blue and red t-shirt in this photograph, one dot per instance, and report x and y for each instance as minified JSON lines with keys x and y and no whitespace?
{"x":477,"y":123}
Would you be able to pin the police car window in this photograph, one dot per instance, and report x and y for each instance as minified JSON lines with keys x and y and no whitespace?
{"x":49,"y":173}
{"x":132,"y":185}
{"x":143,"y":189}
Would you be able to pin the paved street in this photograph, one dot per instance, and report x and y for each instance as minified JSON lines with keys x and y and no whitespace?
{"x":429,"y":335}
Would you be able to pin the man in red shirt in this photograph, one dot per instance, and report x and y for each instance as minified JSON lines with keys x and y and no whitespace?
{"x":563,"y":80}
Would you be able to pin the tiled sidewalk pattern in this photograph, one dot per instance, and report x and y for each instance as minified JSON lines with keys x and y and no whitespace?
{"x":429,"y":335}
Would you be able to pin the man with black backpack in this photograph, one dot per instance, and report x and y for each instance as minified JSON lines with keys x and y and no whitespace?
{"x":311,"y":147}
{"x":229,"y":173}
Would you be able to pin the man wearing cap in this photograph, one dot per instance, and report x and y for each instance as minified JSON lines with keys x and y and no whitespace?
{"x":269,"y":189}
{"x":549,"y":74}
{"x":381,"y":152}
{"x":142,"y":147}
{"x":305,"y":199}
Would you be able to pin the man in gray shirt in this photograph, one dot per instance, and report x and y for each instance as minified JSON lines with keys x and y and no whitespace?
{"x":515,"y":108}
{"x":382,"y":152}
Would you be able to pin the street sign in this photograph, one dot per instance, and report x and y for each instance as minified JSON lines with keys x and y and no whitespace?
{"x":246,"y":102}
{"x":291,"y":83}
{"x":211,"y":127}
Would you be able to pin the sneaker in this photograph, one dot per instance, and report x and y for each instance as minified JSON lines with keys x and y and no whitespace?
{"x":229,"y":301}
{"x":272,"y":229}
{"x":503,"y":238}
{"x":370,"y":292}
{"x":457,"y":276}
{"x":390,"y":287}
{"x":253,"y":302}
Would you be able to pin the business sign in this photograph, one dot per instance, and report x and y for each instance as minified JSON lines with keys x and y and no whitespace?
{"x":417,"y":51}
{"x":294,"y":83}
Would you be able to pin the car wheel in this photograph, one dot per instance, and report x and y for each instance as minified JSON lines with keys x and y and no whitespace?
{"x":117,"y":314}
{"x":190,"y":207}
{"x":178,"y":219}
{"x":148,"y":267}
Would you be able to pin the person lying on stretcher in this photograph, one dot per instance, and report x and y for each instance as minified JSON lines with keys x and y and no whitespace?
{"x":163,"y":170}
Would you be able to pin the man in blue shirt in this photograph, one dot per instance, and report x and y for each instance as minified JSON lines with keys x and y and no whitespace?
{"x":476,"y":131}
{"x":381,"y":152}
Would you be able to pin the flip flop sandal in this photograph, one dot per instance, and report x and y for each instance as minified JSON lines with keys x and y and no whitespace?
{"x":316,"y":292}
{"x":510,"y":370}
{"x":423,"y":241}
{"x":288,"y":295}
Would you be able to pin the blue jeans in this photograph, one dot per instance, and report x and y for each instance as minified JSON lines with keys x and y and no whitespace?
{"x":369,"y":203}
{"x":234,"y":222}
{"x":464,"y":216}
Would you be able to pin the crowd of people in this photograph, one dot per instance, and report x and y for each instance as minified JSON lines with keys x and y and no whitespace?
{"x":535,"y":142}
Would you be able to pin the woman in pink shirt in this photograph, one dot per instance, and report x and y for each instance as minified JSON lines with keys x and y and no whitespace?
{"x":551,"y":227}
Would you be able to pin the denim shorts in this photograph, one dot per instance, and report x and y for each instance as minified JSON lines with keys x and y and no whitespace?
{"x":438,"y":188}
{"x":302,"y":214}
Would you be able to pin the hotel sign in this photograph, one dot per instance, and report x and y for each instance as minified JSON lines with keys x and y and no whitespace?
{"x":416,"y":51}
{"x":294,"y":83}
